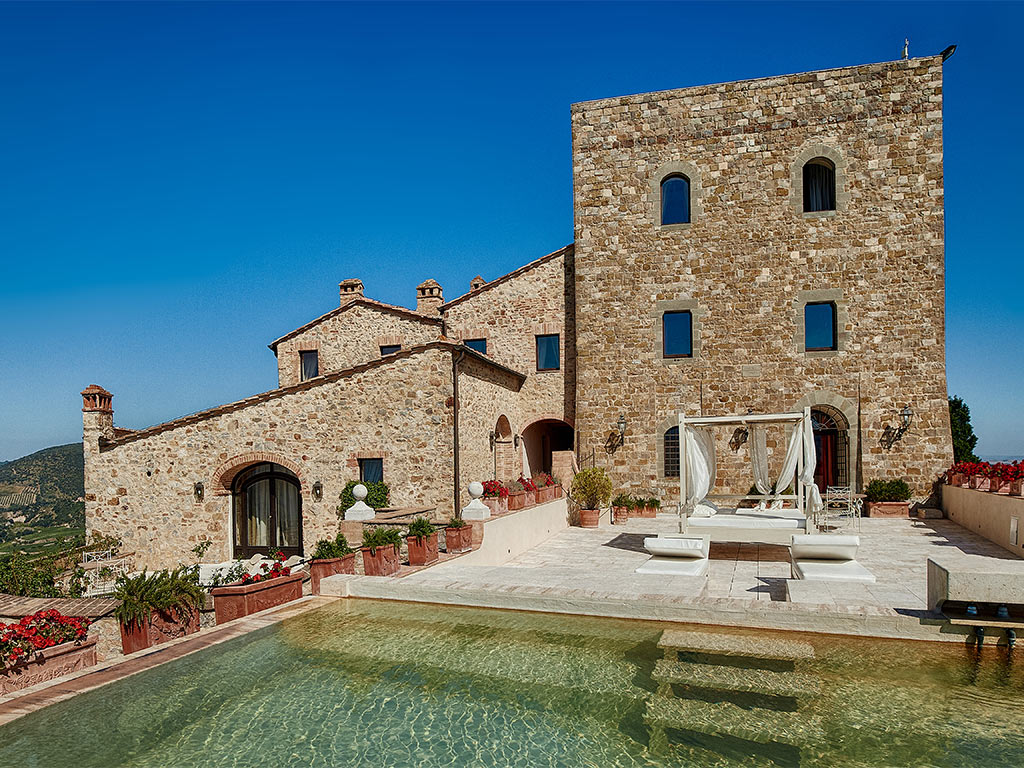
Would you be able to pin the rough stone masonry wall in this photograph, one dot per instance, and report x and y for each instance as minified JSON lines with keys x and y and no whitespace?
{"x":485,"y":394}
{"x":510,"y":315}
{"x":352,"y":336}
{"x":141,"y":490}
{"x":751,"y":257}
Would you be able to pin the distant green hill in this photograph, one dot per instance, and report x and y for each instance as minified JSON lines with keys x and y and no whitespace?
{"x":46,"y":488}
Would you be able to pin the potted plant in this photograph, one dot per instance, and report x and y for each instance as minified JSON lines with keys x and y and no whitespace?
{"x":495,"y":497}
{"x":516,"y":496}
{"x":157,"y":607}
{"x":381,"y":547}
{"x":591,"y":489}
{"x":458,"y":536}
{"x":530,"y":489}
{"x":422,"y":541}
{"x":330,"y":558}
{"x":620,"y":509}
{"x":272,"y":585}
{"x":43,"y":646}
{"x":888,"y":498}
{"x":545,"y":487}
{"x":651,"y":506}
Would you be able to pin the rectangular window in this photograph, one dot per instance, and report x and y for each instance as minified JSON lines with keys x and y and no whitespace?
{"x":820,"y":326}
{"x":309,"y":364}
{"x":371,"y":470}
{"x":480,"y":345}
{"x":547,"y":352}
{"x":389,"y":349}
{"x":677,"y":334}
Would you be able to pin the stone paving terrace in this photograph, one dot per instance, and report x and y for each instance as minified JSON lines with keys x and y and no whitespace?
{"x":600,"y":563}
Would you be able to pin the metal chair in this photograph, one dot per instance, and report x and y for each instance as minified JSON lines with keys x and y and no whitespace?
{"x":841,"y":503}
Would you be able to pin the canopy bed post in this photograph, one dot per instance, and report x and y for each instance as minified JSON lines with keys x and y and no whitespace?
{"x":682,"y":470}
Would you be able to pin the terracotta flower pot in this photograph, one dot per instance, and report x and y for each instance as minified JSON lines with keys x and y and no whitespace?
{"x":531,"y":498}
{"x":997,"y":485}
{"x":978,"y":482}
{"x":496,"y":504}
{"x":649,"y":512}
{"x":160,"y":628}
{"x":47,"y":664}
{"x":422,"y":549}
{"x":620,"y":515}
{"x":888,"y":509}
{"x":590,"y":518}
{"x":237,"y":600}
{"x":321,"y":569}
{"x":458,"y":539}
{"x":382,"y":561}
{"x":516,"y":501}
{"x":1017,"y":487}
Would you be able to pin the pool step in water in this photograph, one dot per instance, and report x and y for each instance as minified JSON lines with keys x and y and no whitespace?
{"x":714,"y":677}
{"x":740,"y":646}
{"x":763,"y":726}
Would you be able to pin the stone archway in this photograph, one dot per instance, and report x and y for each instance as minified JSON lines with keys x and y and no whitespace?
{"x":544,"y":439}
{"x":224,"y":475}
{"x":836,"y":437}
{"x":505,"y":465}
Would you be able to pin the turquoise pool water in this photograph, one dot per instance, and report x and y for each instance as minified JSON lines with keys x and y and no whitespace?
{"x":383,"y":684}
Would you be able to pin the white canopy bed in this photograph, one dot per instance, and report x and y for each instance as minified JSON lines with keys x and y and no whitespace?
{"x":771,"y":522}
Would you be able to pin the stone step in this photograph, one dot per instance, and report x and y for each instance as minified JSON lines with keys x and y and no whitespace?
{"x":740,"y":646}
{"x":764,"y":726}
{"x":714,"y":677}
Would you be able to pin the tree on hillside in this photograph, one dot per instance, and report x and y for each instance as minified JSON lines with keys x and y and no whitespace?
{"x":964,"y":438}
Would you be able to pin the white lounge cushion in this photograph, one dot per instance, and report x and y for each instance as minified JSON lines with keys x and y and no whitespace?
{"x":675,"y":566}
{"x":293,"y":561}
{"x":678,"y":546}
{"x":832,"y":570}
{"x":746,"y":521}
{"x":704,"y":509}
{"x":823,"y":546}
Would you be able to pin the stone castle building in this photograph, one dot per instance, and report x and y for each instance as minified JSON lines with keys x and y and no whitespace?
{"x":762,"y":246}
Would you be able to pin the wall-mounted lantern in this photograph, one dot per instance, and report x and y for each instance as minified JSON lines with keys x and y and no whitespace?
{"x":492,"y":437}
{"x":892,"y":435}
{"x":621,"y":424}
{"x":198,"y":491}
{"x":318,"y":491}
{"x":516,"y":439}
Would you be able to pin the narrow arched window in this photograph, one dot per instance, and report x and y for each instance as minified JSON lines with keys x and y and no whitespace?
{"x":675,"y":200}
{"x":819,"y":185}
{"x":672,"y":452}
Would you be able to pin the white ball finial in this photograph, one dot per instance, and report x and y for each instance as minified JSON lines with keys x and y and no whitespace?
{"x":476,"y":490}
{"x":359,"y":492}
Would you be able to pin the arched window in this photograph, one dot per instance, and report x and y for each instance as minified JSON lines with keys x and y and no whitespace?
{"x":819,"y":185}
{"x":672,"y":452}
{"x":831,"y":447}
{"x":267,"y":511}
{"x":675,"y":200}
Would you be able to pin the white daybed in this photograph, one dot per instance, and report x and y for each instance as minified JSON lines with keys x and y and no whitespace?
{"x":771,"y":522}
{"x":677,"y":556}
{"x":822,"y":557}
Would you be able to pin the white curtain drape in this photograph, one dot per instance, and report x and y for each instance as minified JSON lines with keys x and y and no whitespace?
{"x":701,"y":467}
{"x":814,"y":504}
{"x":788,"y":464}
{"x":759,"y":459}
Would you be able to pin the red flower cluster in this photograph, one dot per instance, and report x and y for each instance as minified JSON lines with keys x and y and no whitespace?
{"x":493,"y":489}
{"x":527,"y":483}
{"x":21,"y":641}
{"x":267,"y":572}
{"x":543,"y":480}
{"x":1002,"y":471}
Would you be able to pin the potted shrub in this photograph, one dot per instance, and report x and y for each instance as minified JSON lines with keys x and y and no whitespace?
{"x":422,"y":541}
{"x":545,"y":487}
{"x":378,"y":495}
{"x":273,"y":585}
{"x":530,"y":489}
{"x":41,"y":647}
{"x":496,"y":497}
{"x":888,"y":498}
{"x":516,"y":496}
{"x":458,"y":536}
{"x":651,"y":506}
{"x":620,"y":509}
{"x":330,"y":558}
{"x":591,"y":489}
{"x":157,"y":607}
{"x":381,"y":546}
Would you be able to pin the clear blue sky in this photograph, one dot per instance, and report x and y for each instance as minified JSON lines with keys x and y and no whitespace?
{"x":181,"y":184}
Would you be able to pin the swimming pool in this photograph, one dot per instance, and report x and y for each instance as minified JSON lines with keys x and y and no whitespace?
{"x":392,"y":684}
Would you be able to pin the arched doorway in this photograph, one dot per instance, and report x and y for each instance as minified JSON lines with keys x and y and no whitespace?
{"x":831,"y":446}
{"x":267,"y":511}
{"x":505,"y":468}
{"x":542,"y":439}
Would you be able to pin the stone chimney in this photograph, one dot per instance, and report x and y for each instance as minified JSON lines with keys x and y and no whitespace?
{"x":97,"y":417}
{"x":429,"y":298}
{"x":476,"y":282}
{"x":350,"y":289}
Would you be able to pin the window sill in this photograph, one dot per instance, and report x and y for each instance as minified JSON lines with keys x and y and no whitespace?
{"x":818,"y":214}
{"x":674,"y":227}
{"x":821,"y":352}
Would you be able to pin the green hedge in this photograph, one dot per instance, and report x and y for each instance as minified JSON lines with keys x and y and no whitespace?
{"x":377,"y":495}
{"x":887,"y":490}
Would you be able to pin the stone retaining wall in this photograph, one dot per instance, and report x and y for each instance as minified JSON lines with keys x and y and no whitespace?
{"x":991,"y":515}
